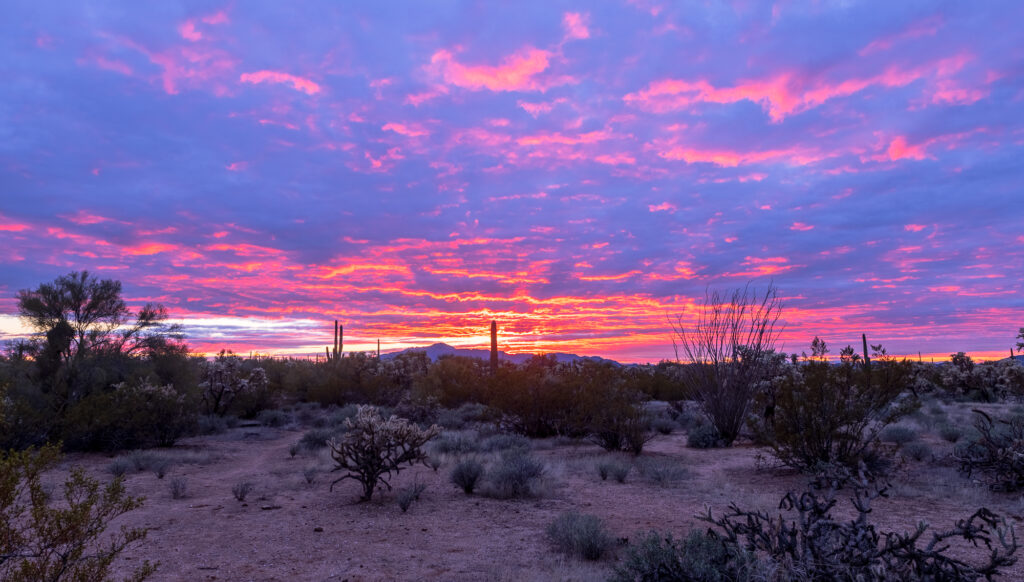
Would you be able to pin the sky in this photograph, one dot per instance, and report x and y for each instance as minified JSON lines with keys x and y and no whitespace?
{"x":581,"y":172}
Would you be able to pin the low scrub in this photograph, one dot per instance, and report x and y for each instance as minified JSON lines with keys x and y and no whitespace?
{"x":704,"y":436}
{"x":516,"y":475}
{"x":996,"y":454}
{"x":580,"y":535}
{"x":46,"y":538}
{"x":812,"y":544}
{"x":617,"y":470}
{"x":466,"y":474}
{"x":373,"y":448}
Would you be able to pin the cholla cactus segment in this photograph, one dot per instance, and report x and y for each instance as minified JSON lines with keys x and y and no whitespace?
{"x":374,"y":447}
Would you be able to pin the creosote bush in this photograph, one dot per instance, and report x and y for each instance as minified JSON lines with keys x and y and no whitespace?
{"x":41,"y":540}
{"x":703,"y":436}
{"x":580,"y":535}
{"x":373,"y":448}
{"x":617,"y":470}
{"x":241,"y":490}
{"x":179,"y":488}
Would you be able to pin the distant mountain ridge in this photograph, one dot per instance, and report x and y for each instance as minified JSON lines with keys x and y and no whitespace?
{"x":438,"y":350}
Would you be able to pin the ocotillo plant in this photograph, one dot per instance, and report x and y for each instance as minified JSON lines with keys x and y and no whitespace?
{"x":494,"y":347}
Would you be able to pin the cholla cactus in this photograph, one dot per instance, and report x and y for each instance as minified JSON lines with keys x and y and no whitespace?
{"x":373,"y":448}
{"x":223,"y":381}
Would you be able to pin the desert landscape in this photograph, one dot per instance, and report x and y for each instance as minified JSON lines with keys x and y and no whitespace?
{"x":624,"y":291}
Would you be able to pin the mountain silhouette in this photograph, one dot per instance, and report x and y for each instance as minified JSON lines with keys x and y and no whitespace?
{"x":438,"y":350}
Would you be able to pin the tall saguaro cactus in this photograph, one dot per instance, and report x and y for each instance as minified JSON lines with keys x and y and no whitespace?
{"x":339,"y":339}
{"x":494,"y":347}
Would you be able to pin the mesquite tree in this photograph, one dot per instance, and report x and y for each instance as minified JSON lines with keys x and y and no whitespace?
{"x":727,"y":349}
{"x":372,"y":448}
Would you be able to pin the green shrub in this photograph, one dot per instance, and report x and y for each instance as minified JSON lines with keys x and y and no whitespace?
{"x":241,"y":490}
{"x":179,"y":488}
{"x":825,"y":414}
{"x":127,"y":416}
{"x":663,"y":472}
{"x":316,"y":438}
{"x":579,"y":535}
{"x":918,"y":451}
{"x":897,"y":434}
{"x":273,"y":418}
{"x":664,"y":425}
{"x":503,"y":442}
{"x":372,"y":448}
{"x":704,"y":436}
{"x":466,"y":474}
{"x":614,"y":469}
{"x":40,"y":540}
{"x":455,"y":443}
{"x":700,"y":557}
{"x":407,"y":495}
{"x":517,"y":474}
{"x":950,"y":433}
{"x":119,"y":466}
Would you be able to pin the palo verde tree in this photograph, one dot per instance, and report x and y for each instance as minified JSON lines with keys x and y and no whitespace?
{"x":727,"y":351}
{"x":79,"y":316}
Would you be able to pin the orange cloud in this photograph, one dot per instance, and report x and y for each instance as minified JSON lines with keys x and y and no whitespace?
{"x":517,"y":72}
{"x":298,"y":83}
{"x":146,"y":249}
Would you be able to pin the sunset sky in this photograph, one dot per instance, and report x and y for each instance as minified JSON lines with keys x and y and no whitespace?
{"x":579,"y":171}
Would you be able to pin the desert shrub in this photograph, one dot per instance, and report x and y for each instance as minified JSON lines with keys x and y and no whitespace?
{"x":241,"y":490}
{"x":210,"y":424}
{"x":950,"y":432}
{"x":663,"y":472}
{"x":407,"y":495}
{"x":997,"y":452}
{"x":316,"y":438}
{"x":502,"y":442}
{"x":663,"y":425}
{"x":119,"y":466}
{"x":466,"y":474}
{"x":618,"y":422}
{"x":918,"y":451}
{"x":127,"y":416}
{"x":455,"y":443}
{"x":309,"y":474}
{"x":178,"y":487}
{"x":517,"y":474}
{"x":225,"y":380}
{"x":704,"y":436}
{"x":580,"y":535}
{"x":160,"y":467}
{"x":40,"y":540}
{"x":985,"y":382}
{"x":615,"y":469}
{"x":728,"y":350}
{"x":825,"y":414}
{"x":294,"y":449}
{"x":273,"y":418}
{"x":418,"y":409}
{"x":699,"y":557}
{"x":897,"y":434}
{"x":373,"y":448}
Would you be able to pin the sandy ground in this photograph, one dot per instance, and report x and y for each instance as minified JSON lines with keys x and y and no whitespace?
{"x":290,"y":530}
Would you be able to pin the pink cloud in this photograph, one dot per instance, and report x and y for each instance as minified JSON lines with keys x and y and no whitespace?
{"x":800,"y":226}
{"x":575,"y":25}
{"x":783,"y":94}
{"x":732,"y":158}
{"x":216,"y":18}
{"x":406,"y":130}
{"x":615,"y":159}
{"x":927,"y":27}
{"x":899,"y":149}
{"x":237,"y":166}
{"x":914,"y":227}
{"x":517,"y":72}
{"x":663,"y":207}
{"x":557,"y":138}
{"x":536,"y":109}
{"x":298,"y":83}
{"x":188,"y":31}
{"x":417,"y":99}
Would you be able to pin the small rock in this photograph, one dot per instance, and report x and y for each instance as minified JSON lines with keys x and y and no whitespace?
{"x":318,"y":529}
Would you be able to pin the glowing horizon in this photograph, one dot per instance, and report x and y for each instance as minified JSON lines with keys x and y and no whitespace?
{"x":579,"y":173}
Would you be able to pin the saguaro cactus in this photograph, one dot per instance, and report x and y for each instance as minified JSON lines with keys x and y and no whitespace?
{"x":494,"y":346}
